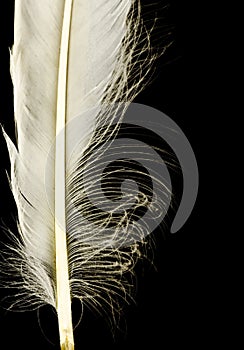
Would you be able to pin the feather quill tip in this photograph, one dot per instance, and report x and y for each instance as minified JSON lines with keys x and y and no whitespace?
{"x":67,"y":345}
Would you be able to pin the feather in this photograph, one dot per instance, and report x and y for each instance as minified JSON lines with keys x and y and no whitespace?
{"x":70,"y":64}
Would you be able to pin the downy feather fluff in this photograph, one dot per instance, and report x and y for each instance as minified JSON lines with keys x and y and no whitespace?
{"x":71,"y":62}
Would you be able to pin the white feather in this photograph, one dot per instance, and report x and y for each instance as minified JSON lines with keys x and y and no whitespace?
{"x":70,"y":60}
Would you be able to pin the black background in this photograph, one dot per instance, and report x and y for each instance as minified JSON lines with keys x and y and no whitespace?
{"x":172,"y":307}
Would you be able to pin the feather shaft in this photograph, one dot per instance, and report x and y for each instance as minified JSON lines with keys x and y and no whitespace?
{"x":62,"y":275}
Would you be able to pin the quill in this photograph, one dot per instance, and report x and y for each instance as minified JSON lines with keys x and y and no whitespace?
{"x":71,"y":60}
